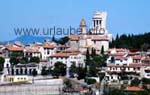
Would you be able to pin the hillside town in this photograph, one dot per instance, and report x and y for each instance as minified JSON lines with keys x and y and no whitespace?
{"x":85,"y":59}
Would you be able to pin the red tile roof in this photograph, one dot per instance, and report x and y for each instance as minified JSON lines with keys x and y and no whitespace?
{"x":133,"y":89}
{"x":48,"y":46}
{"x":137,"y":57}
{"x":60,"y":55}
{"x":14,"y":48}
{"x":74,"y":37}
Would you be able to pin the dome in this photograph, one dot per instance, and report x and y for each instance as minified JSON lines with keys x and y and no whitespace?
{"x":83,"y":22}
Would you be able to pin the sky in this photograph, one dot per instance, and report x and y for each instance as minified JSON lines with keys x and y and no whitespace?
{"x":124,"y":16}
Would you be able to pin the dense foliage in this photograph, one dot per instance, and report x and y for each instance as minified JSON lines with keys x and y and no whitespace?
{"x":59,"y":69}
{"x":2,"y":60}
{"x":138,"y":42}
{"x":35,"y":59}
{"x":135,"y":82}
{"x":61,"y":41}
{"x":90,"y":81}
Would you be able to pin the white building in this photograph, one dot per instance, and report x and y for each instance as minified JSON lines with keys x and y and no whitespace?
{"x":41,"y":50}
{"x":6,"y":66}
{"x":46,"y":50}
{"x":25,"y":69}
{"x":97,"y":37}
{"x":68,"y":58}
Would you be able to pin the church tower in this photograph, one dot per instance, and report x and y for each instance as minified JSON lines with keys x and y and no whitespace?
{"x":83,"y":26}
{"x":99,"y":23}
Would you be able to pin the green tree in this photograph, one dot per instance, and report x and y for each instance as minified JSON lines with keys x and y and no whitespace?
{"x":35,"y":59}
{"x":44,"y":71}
{"x":63,"y":40}
{"x":68,"y":83}
{"x":24,"y":60}
{"x":135,"y":82}
{"x":81,"y":73}
{"x":90,"y":81}
{"x":87,"y":57}
{"x":2,"y":61}
{"x":93,"y":54}
{"x":116,"y":92}
{"x":16,"y":54}
{"x":53,"y":38}
{"x":59,"y":69}
{"x":131,"y":41}
{"x":145,"y":92}
{"x":73,"y":68}
{"x":99,"y":60}
{"x":145,"y":81}
{"x":13,"y":61}
{"x":92,"y":71}
{"x":34,"y":72}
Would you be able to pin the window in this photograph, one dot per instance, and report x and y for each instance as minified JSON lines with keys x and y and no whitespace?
{"x":26,"y":71}
{"x":110,"y":68}
{"x":7,"y":65}
{"x":48,"y":52}
{"x":111,"y":77}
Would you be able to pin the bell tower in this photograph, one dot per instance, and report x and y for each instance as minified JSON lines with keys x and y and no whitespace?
{"x":99,"y":23}
{"x":83,"y":26}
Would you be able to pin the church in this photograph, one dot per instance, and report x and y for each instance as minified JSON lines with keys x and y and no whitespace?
{"x":97,"y":36}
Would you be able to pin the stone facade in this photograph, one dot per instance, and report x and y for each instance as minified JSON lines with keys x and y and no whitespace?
{"x":96,"y":37}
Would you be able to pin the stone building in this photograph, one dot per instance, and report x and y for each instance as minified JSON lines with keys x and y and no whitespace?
{"x":96,"y":37}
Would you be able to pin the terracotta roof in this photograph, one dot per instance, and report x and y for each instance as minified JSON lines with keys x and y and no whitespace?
{"x":132,"y":53}
{"x":13,"y":48}
{"x":43,"y":60}
{"x":88,"y":46}
{"x":137,"y":57}
{"x":135,"y":65}
{"x":60,"y":55}
{"x":47,"y":45}
{"x":117,"y":54}
{"x":133,"y":89}
{"x":117,"y":50}
{"x":74,"y":37}
{"x":146,"y":59}
{"x":99,"y":38}
{"x":72,"y":52}
{"x":33,"y":51}
{"x":92,"y":37}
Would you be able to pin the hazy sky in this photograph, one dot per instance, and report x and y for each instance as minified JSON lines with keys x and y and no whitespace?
{"x":124,"y":16}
